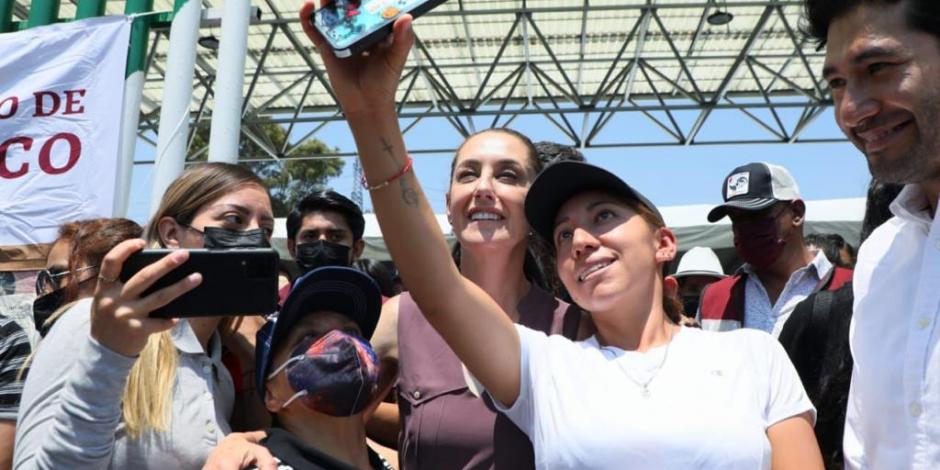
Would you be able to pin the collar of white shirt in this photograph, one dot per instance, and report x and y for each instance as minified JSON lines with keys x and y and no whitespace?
{"x":911,"y":205}
{"x":820,"y":266}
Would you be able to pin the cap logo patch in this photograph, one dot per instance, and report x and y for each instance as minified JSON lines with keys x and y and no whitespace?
{"x":738,"y":184}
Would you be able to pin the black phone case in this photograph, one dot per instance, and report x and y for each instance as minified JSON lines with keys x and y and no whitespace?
{"x":376,"y":36}
{"x":234,"y":282}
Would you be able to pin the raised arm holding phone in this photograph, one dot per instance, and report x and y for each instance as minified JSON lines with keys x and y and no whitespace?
{"x":620,"y":396}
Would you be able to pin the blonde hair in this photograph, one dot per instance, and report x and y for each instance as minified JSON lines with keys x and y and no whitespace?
{"x":149,"y":389}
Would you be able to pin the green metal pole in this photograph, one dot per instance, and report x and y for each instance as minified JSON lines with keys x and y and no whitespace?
{"x":140,"y":34}
{"x":42,"y":12}
{"x":133,"y":90}
{"x":6,"y":15}
{"x":89,"y":9}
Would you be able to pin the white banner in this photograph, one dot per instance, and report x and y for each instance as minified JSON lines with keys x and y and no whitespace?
{"x":61,"y":88}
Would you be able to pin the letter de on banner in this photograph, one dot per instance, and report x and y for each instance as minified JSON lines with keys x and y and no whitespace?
{"x":54,"y":108}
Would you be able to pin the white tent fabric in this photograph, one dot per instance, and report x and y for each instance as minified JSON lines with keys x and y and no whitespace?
{"x":841,"y":216}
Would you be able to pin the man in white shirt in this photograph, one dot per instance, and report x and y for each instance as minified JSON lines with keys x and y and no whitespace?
{"x":779,"y":271}
{"x":883,"y":66}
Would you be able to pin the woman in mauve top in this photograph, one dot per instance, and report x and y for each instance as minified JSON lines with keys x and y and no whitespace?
{"x":438,"y":422}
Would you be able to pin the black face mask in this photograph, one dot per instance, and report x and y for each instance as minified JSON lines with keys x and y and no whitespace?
{"x":690,"y":305}
{"x":321,"y":253}
{"x":220,"y":238}
{"x":43,"y":308}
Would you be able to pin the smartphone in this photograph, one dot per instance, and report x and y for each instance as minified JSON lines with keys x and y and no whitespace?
{"x":234,"y":282}
{"x":353,"y":26}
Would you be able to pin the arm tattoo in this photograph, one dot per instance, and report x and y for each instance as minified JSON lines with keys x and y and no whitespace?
{"x":408,"y":194}
{"x":388,"y":148}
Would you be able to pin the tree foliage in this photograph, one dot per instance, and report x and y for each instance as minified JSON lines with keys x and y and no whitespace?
{"x":288,"y":178}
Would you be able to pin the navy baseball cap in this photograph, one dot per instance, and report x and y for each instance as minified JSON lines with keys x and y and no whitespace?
{"x":755,"y":187}
{"x":561,"y":181}
{"x":339,"y":289}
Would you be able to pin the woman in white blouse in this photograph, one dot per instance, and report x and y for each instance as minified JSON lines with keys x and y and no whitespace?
{"x":641,"y":393}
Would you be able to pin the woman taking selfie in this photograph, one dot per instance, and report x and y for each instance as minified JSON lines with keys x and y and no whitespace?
{"x":620,"y":398}
{"x":112,"y":388}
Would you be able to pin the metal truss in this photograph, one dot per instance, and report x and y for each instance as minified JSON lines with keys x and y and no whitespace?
{"x":578,"y":65}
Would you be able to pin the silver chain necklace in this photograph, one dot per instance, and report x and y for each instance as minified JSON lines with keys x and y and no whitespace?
{"x":644,"y":386}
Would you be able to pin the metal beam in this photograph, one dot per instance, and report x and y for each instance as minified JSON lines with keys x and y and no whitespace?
{"x":573,"y":9}
{"x":723,"y":88}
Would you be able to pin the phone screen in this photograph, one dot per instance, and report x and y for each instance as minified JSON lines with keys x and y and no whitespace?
{"x":345,"y":22}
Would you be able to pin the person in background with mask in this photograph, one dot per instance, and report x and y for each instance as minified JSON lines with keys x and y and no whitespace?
{"x":70,"y":273}
{"x":73,"y":263}
{"x":324,"y":229}
{"x":698,"y":268}
{"x":779,"y":271}
{"x":318,"y":372}
{"x":110,"y":387}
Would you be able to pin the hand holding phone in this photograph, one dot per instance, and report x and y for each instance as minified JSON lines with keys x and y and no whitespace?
{"x":120,"y":311}
{"x":365,"y":87}
{"x":353,"y":26}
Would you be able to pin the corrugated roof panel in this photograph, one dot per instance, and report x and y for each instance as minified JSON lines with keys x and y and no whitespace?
{"x":463,"y":39}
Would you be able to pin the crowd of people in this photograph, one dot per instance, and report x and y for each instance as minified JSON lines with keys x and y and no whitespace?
{"x":553,"y":334}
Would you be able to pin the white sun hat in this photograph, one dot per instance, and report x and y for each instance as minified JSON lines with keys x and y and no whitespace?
{"x":700,"y":261}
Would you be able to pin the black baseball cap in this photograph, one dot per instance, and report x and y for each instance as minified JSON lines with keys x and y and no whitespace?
{"x":339,"y":289}
{"x":561,"y":181}
{"x":755,"y":187}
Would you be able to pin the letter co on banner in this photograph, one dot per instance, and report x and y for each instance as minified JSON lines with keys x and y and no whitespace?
{"x":61,"y":88}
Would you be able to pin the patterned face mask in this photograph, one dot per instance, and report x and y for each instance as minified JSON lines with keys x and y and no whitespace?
{"x":336,"y":374}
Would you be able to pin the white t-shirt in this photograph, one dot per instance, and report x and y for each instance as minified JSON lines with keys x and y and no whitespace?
{"x":709,"y":405}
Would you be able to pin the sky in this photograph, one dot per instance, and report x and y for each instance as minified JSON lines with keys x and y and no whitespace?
{"x":667,"y":175}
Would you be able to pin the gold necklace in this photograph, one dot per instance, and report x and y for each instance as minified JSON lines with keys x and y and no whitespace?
{"x":644,"y":386}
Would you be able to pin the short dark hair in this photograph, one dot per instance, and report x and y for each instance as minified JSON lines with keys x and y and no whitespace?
{"x":326,"y":201}
{"x":551,"y":152}
{"x":379,"y":273}
{"x":831,"y":244}
{"x":922,"y":15}
{"x":878,"y":206}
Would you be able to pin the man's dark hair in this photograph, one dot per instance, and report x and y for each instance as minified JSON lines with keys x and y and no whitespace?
{"x":326,"y":201}
{"x":380,"y":273}
{"x":878,"y":206}
{"x":922,"y":15}
{"x":831,"y":244}
{"x":552,"y":152}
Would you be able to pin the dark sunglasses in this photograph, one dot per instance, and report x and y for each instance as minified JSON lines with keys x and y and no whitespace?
{"x":48,"y":281}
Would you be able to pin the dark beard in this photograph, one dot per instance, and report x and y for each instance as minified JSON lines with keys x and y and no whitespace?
{"x":922,"y":162}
